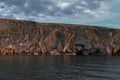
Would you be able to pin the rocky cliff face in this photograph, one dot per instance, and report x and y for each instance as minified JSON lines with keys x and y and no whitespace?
{"x":19,"y":37}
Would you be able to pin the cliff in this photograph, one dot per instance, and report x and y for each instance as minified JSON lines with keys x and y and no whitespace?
{"x":18,"y":37}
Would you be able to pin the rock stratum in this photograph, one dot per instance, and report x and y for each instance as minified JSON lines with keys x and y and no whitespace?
{"x":18,"y":37}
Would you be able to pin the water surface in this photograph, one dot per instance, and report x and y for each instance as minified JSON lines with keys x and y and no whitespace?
{"x":60,"y":68}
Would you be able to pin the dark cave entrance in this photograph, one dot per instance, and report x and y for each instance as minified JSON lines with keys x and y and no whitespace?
{"x":79,"y":53}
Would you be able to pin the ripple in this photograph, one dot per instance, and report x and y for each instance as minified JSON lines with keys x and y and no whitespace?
{"x":79,"y":68}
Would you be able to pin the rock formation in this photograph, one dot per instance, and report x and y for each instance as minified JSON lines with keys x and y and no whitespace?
{"x":18,"y":37}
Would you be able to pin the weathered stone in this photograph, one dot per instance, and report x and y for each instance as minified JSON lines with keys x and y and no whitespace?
{"x":32,"y":38}
{"x":69,"y":51}
{"x":85,"y":52}
{"x":54,"y":52}
{"x":108,"y":51}
{"x":36,"y":54}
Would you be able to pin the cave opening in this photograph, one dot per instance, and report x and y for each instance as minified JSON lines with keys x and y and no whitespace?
{"x":79,"y":53}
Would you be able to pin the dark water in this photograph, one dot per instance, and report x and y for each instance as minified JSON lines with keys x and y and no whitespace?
{"x":60,"y":68}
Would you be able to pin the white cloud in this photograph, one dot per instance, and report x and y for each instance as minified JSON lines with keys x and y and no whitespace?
{"x":63,"y":5}
{"x":84,"y":3}
{"x":54,"y":10}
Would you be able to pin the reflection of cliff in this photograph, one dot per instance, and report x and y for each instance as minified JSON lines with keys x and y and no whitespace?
{"x":17,"y":36}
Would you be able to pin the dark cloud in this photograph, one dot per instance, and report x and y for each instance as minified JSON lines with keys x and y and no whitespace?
{"x":15,"y":2}
{"x":52,"y":9}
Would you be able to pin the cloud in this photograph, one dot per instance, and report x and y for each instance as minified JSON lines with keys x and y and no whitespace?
{"x":54,"y":10}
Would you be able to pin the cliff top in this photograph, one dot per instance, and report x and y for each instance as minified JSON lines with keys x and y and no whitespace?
{"x":5,"y":21}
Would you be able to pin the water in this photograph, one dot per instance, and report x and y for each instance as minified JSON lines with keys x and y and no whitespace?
{"x":60,"y":68}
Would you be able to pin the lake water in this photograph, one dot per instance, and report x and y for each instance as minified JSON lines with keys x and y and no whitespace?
{"x":60,"y":68}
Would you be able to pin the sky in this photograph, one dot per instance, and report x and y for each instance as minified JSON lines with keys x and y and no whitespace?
{"x":88,"y":12}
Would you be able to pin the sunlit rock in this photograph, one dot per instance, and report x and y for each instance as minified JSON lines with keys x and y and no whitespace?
{"x":18,"y":37}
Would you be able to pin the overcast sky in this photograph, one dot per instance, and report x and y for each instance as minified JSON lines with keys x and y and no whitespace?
{"x":89,"y":12}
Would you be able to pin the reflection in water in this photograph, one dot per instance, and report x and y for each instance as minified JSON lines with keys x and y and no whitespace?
{"x":60,"y":68}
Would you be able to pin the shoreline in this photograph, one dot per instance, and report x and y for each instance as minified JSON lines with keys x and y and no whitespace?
{"x":60,"y":54}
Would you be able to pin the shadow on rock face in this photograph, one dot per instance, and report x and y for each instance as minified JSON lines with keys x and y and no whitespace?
{"x":79,"y":53}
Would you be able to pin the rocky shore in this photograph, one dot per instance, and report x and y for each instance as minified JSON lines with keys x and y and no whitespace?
{"x":18,"y":37}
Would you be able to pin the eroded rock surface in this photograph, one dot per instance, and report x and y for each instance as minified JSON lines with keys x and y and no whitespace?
{"x":19,"y":37}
